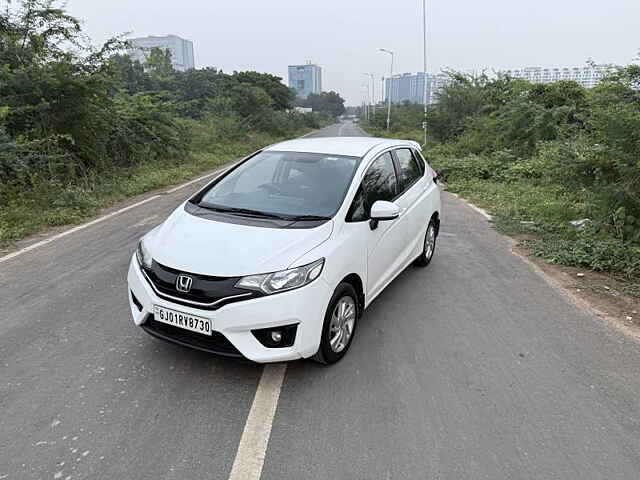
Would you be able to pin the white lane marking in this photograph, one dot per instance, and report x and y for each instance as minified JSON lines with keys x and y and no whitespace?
{"x":106,"y":217}
{"x":255,"y":437}
{"x":74,"y":230}
{"x":481,"y":211}
{"x":179,"y":187}
{"x":113,"y":214}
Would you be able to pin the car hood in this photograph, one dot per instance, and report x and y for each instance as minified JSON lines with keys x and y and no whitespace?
{"x":209,"y":247}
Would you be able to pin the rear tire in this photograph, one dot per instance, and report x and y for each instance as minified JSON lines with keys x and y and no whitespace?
{"x":428,"y":245}
{"x":339,"y":325}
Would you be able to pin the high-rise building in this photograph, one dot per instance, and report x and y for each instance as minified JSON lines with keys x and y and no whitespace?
{"x":305,"y":79}
{"x":588,"y":76}
{"x":181,"y":50}
{"x":409,"y":87}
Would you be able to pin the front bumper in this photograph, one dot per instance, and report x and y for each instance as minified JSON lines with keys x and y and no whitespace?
{"x":234,"y":322}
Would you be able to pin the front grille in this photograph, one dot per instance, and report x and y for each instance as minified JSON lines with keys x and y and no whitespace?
{"x":216,"y":343}
{"x":204,"y":289}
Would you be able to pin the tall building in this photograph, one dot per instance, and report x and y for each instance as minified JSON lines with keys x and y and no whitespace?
{"x":181,"y":50}
{"x":588,"y":76}
{"x":305,"y":79}
{"x":409,"y":87}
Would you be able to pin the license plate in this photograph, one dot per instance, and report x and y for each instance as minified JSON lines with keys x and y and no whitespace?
{"x":182,"y":320}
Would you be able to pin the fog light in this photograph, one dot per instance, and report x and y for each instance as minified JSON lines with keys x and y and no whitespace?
{"x":276,"y":336}
{"x":282,"y":336}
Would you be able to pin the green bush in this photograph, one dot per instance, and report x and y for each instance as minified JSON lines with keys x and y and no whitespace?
{"x":81,"y":127}
{"x":539,"y":156}
{"x":590,"y":249}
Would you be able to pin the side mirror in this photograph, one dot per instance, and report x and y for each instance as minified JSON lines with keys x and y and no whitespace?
{"x":382,"y":211}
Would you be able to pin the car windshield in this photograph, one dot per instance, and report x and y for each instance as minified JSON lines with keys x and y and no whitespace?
{"x":288,"y":184}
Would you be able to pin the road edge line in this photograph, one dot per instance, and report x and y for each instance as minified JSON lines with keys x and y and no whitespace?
{"x":252,"y":448}
{"x":82,"y":226}
{"x":57,"y":236}
{"x":575,"y":300}
{"x":481,"y":211}
{"x":90,"y":223}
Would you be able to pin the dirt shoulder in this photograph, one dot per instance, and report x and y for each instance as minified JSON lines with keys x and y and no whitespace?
{"x":602,"y":293}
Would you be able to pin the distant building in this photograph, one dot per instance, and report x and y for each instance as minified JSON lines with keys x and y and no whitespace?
{"x":588,"y":76}
{"x":181,"y":50}
{"x":305,"y":79}
{"x":409,"y":87}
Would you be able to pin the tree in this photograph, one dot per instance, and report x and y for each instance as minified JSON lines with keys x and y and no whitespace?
{"x":250,"y":101}
{"x":328,"y":103}
{"x":131,"y":74}
{"x":158,"y":64}
{"x":463,"y":98}
{"x":196,"y":91}
{"x":68,"y":104}
{"x":281,"y":95}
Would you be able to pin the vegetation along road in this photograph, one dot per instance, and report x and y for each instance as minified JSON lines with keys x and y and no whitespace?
{"x":487,"y":372}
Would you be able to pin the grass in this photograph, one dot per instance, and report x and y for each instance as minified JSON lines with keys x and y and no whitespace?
{"x":52,"y":204}
{"x":536,"y":212}
{"x":541,"y":215}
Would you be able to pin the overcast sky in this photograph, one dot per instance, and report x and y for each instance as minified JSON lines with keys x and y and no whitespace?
{"x":343,"y":36}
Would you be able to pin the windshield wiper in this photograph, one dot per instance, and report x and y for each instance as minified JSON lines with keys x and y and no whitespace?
{"x":257,"y":213}
{"x":309,"y":217}
{"x":244,"y":211}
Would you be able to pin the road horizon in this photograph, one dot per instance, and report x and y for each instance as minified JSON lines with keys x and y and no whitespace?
{"x":474,"y":367}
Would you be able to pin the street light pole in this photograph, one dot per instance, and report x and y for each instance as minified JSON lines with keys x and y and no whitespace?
{"x":389,"y":92}
{"x":367,"y":102}
{"x":373,"y":92}
{"x":424,"y":48}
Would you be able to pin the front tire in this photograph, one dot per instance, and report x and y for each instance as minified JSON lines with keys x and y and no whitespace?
{"x":428,"y":245}
{"x":339,"y":325}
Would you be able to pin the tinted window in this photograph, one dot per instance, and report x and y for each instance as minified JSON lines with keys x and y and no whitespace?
{"x":379,"y":183}
{"x":418,"y":156}
{"x":286,"y":183}
{"x":410,"y":171}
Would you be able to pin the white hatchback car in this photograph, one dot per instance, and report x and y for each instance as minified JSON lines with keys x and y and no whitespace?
{"x":277,"y":258}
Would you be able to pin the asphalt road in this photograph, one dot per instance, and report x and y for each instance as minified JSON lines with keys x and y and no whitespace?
{"x":474,"y":368}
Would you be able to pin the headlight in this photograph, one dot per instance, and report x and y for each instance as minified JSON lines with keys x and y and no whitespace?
{"x":143,"y":255}
{"x":284,"y":280}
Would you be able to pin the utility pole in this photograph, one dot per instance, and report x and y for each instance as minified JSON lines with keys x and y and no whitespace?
{"x":373,"y":91}
{"x":367,"y":100}
{"x":389,"y":92}
{"x":424,"y":48}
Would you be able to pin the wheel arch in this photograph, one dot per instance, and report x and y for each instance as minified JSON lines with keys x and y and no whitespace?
{"x":436,"y":218}
{"x":355,"y":281}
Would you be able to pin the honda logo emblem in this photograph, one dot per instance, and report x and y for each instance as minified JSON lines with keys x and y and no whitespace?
{"x":183,"y":283}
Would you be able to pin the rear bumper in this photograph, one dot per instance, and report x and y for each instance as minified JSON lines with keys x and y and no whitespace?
{"x":234,"y":322}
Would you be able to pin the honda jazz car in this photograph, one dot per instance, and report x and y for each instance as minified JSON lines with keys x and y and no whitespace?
{"x":278,"y":258}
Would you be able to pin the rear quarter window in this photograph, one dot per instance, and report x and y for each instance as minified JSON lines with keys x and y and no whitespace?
{"x":410,"y":170}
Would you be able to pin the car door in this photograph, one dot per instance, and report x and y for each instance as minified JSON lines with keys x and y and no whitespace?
{"x":385,"y":243}
{"x":414,"y":198}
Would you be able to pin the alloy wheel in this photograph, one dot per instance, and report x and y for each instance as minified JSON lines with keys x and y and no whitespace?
{"x":343,"y":320}
{"x":429,"y":241}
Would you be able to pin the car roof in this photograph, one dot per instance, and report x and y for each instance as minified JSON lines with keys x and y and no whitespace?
{"x":349,"y":146}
